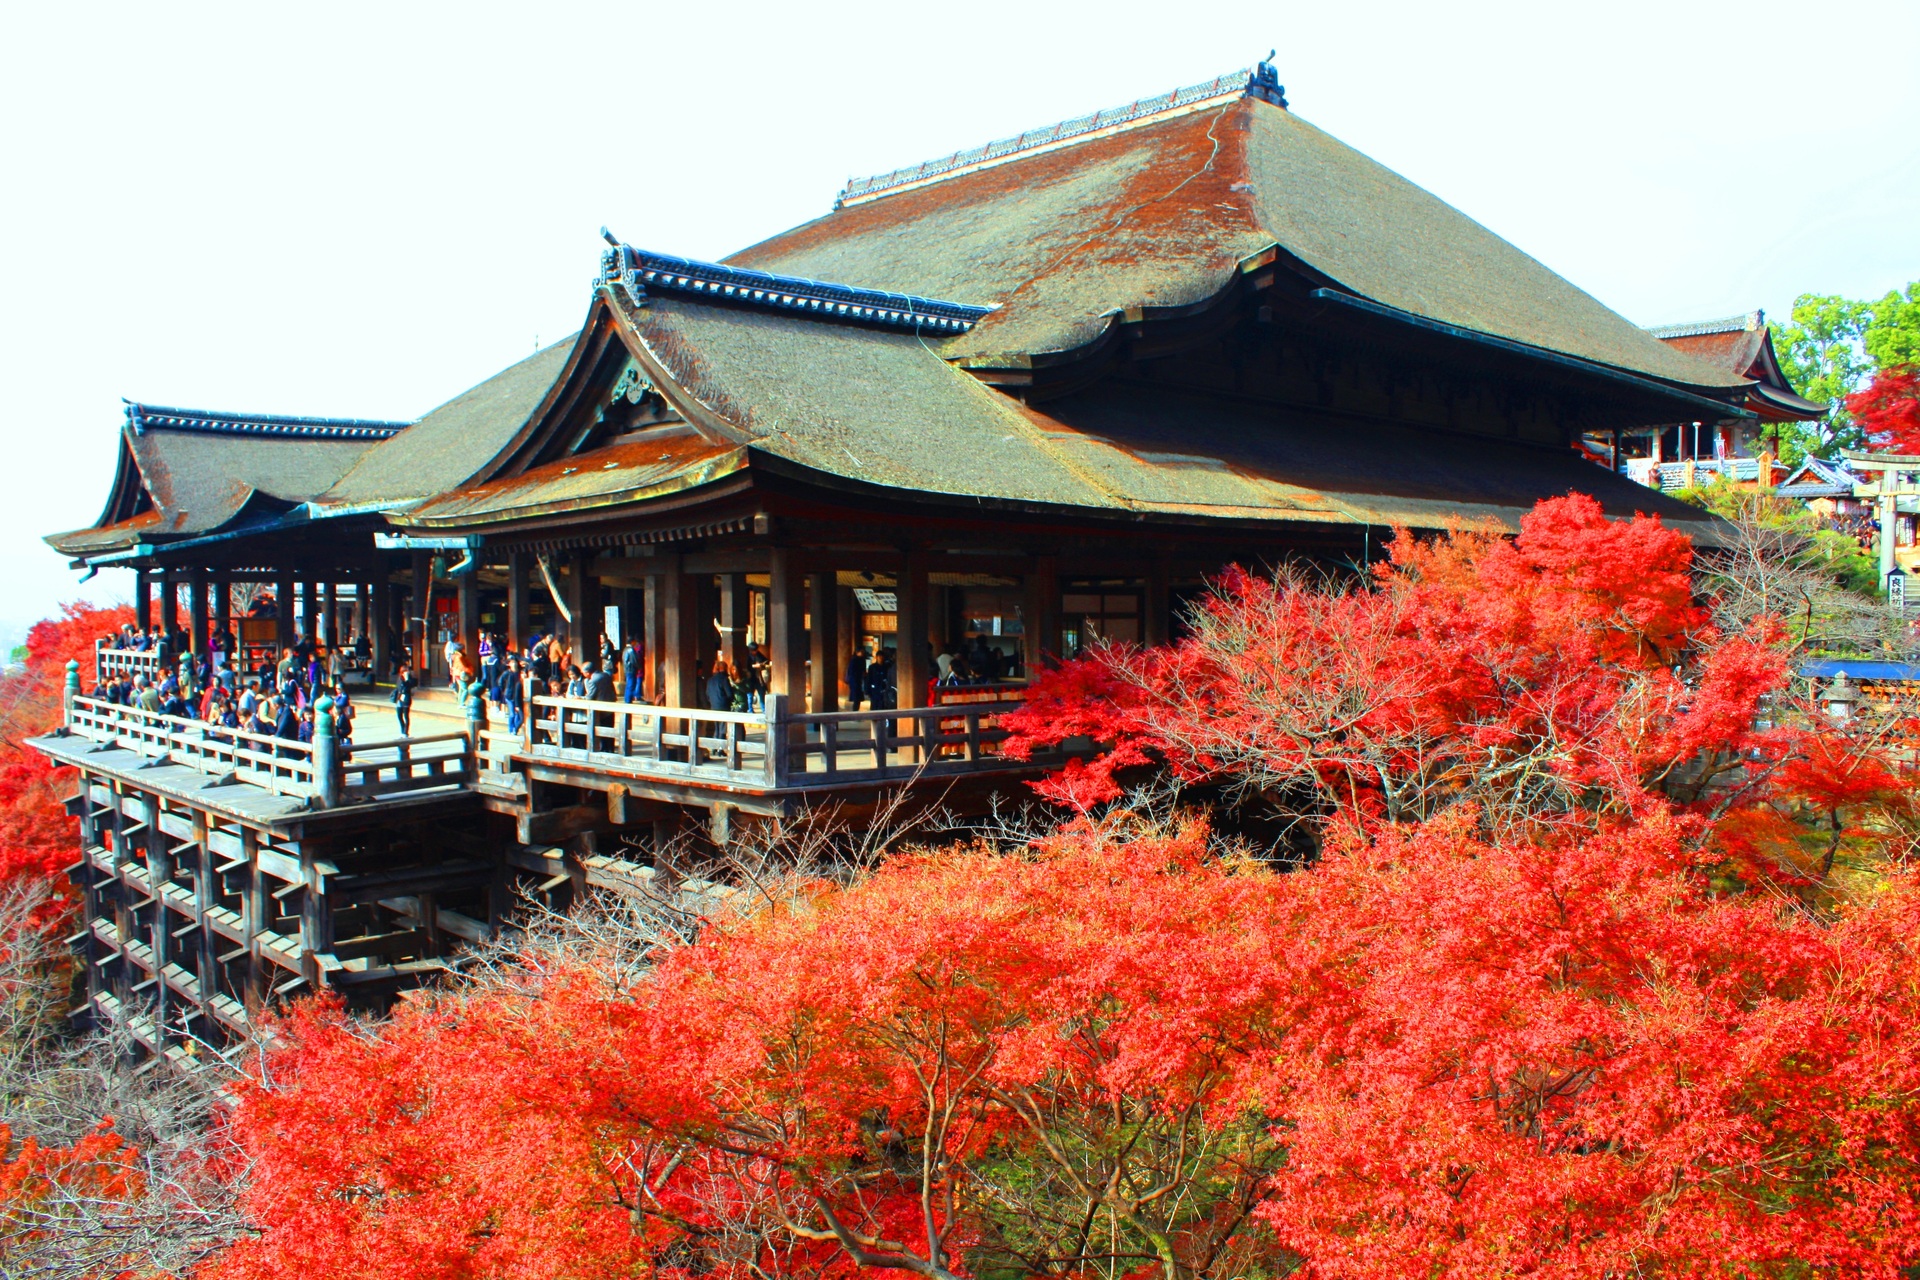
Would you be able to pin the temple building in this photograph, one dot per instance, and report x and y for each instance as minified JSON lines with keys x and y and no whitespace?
{"x":1678,"y":455}
{"x":1019,"y":399}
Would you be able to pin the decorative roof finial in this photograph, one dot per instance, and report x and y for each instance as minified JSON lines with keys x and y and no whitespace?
{"x":1264,"y":83}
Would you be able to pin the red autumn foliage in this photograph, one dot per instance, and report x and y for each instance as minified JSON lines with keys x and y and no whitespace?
{"x":36,"y":835}
{"x":1537,"y":1008}
{"x":1888,"y":410}
{"x":1499,"y":1059}
{"x":1566,"y":670}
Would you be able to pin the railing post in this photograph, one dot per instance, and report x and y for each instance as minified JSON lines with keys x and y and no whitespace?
{"x":327,"y":776}
{"x":776,"y":762}
{"x":72,"y":689}
{"x":99,"y":663}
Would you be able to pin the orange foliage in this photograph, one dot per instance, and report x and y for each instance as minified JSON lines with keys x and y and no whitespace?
{"x":36,"y":835}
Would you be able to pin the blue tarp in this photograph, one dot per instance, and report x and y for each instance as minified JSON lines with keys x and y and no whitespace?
{"x":1859,"y":669}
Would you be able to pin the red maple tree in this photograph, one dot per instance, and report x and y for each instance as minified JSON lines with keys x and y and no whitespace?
{"x":1888,"y":410}
{"x":1567,"y":991}
{"x":36,"y":835}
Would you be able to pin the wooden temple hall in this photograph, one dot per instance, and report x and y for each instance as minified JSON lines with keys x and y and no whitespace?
{"x":1022,"y":397}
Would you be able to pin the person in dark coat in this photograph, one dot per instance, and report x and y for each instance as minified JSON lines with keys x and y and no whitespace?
{"x":599,"y":683}
{"x":856,"y":675}
{"x":403,"y":686}
{"x":719,"y":688}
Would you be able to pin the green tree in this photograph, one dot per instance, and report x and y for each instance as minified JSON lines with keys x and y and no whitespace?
{"x":1832,"y":348}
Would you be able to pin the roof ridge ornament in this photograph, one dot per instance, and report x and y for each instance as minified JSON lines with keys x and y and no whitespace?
{"x":149,"y":417}
{"x":638,"y":271}
{"x":1260,"y":81}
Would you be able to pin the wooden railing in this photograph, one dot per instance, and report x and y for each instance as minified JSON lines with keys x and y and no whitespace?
{"x":773,"y":749}
{"x":367,"y":771}
{"x":861,"y":746}
{"x":109,"y":661}
{"x":677,"y":742}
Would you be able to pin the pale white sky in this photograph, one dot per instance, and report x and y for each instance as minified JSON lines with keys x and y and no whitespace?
{"x":364,"y":209}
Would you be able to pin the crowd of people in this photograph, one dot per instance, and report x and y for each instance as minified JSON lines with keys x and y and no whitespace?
{"x":275,"y":699}
{"x":271,"y":703}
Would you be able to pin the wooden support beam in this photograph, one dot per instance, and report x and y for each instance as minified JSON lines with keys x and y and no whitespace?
{"x":1040,"y":614}
{"x":824,"y":654}
{"x":142,"y":600}
{"x":197,"y":614}
{"x":734,"y":620}
{"x":379,"y":619}
{"x":556,"y":826}
{"x":283,"y":608}
{"x":1159,"y":602}
{"x":680,"y":614}
{"x":786,"y":627}
{"x":309,"y":609}
{"x":420,"y":614}
{"x":518,"y":628}
{"x":911,"y":656}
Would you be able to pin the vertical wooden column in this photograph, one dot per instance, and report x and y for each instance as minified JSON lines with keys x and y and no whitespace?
{"x":823,"y":643}
{"x":1159,"y":602}
{"x":517,"y":629}
{"x":1040,"y":610}
{"x":469,"y":584}
{"x":787,"y":628}
{"x":379,"y":617}
{"x":169,"y":604}
{"x":223,"y":605}
{"x":734,"y":620}
{"x":583,"y":601}
{"x":197,"y":613}
{"x":911,"y":655}
{"x":329,"y":614}
{"x":420,"y":614}
{"x":283,"y":607}
{"x":309,"y":609}
{"x":253,"y":922}
{"x":654,"y":632}
{"x":680,"y":619}
{"x":142,"y":600}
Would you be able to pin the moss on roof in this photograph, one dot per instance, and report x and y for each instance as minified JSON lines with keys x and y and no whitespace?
{"x":1162,"y":214}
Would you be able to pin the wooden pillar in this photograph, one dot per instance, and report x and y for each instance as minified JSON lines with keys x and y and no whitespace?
{"x":142,"y":600}
{"x":469,"y":586}
{"x":309,"y":609}
{"x":654,"y":632}
{"x":823,"y":643}
{"x":169,"y":604}
{"x":379,"y":617}
{"x":197,"y":613}
{"x":786,"y":627}
{"x":419,"y":614}
{"x":517,"y":629}
{"x":680,"y":623}
{"x":330,"y":614}
{"x":1040,"y":621}
{"x":1159,"y":602}
{"x":583,"y":601}
{"x":283,"y":607}
{"x":911,"y":655}
{"x":735,"y":618}
{"x":223,"y":602}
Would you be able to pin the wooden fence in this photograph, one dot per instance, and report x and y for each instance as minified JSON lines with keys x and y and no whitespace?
{"x":367,"y":771}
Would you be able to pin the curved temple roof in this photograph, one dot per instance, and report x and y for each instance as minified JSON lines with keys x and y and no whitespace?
{"x":1162,"y":212}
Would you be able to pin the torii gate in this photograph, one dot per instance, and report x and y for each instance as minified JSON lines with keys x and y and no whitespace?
{"x":1898,"y":477}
